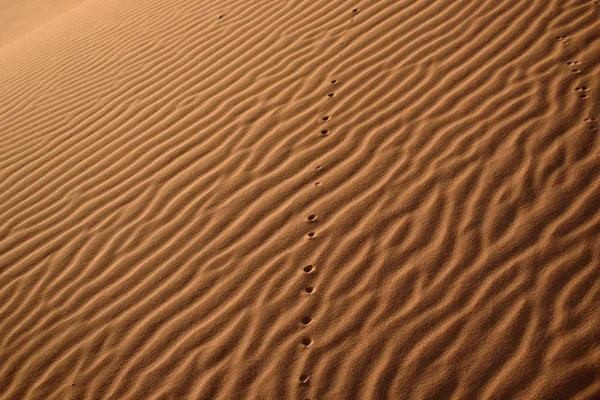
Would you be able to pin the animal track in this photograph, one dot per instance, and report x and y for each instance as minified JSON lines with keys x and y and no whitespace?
{"x":306,"y":320}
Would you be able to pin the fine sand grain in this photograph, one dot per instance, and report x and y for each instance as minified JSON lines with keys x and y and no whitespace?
{"x":308,"y":199}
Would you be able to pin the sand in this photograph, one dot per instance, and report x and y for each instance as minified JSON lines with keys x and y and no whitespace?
{"x":269,"y":199}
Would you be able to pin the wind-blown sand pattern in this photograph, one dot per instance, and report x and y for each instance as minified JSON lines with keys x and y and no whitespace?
{"x":266,"y":199}
{"x":20,"y":17}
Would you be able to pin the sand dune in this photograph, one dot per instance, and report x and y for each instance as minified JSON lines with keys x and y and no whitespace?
{"x":269,"y":199}
{"x":21,"y":17}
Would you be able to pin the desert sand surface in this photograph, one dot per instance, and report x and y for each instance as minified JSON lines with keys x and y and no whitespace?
{"x":19,"y":17}
{"x":309,"y":199}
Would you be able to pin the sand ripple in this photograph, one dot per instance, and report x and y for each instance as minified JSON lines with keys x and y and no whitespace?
{"x":302,"y":200}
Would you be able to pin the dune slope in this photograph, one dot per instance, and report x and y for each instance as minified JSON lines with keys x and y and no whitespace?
{"x":271,"y":199}
{"x":20,"y":17}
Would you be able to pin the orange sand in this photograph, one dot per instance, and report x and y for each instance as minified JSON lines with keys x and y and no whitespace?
{"x":159,"y":161}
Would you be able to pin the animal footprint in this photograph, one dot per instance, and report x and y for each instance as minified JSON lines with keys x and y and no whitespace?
{"x":582,"y":90}
{"x":592,"y":123}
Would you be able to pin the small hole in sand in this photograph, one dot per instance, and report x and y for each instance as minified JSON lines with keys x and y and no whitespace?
{"x":311,"y":234}
{"x":318,"y":167}
{"x":309,"y":289}
{"x":306,"y":342}
{"x":333,"y":82}
{"x":220,"y":16}
{"x":331,"y":94}
{"x":575,"y":70}
{"x":306,"y":320}
{"x":355,"y":10}
{"x":308,"y":269}
{"x":304,"y":378}
{"x":312,"y":217}
{"x":317,"y":183}
{"x":324,"y":132}
{"x":325,"y":118}
{"x":583,"y":96}
{"x":569,"y":63}
{"x":584,"y":88}
{"x":577,"y":89}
